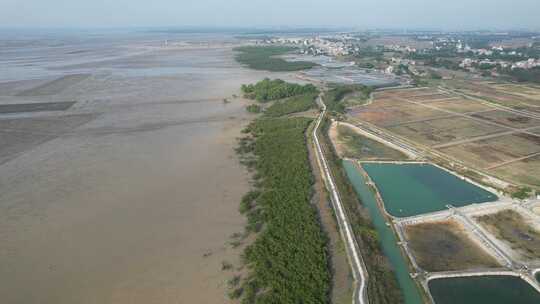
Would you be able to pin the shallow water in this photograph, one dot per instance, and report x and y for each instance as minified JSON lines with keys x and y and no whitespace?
{"x":411,"y":189}
{"x":483,"y":290}
{"x":386,"y":235}
{"x":130,"y":195}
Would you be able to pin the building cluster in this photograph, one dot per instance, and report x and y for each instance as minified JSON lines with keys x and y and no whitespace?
{"x":526,"y":64}
{"x":469,"y":63}
{"x":409,"y":58}
{"x":319,"y":45}
{"x":400,"y":48}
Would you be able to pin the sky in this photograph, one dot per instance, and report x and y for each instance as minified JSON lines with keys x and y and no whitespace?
{"x":428,"y":14}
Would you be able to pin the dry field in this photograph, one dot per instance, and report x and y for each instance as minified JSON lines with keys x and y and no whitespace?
{"x":526,"y":91}
{"x":399,"y":113}
{"x":405,"y":93}
{"x":508,"y":119}
{"x":460,"y":105}
{"x":493,"y":151}
{"x":429,"y":97}
{"x":444,"y":130}
{"x":524,"y":171}
{"x":515,"y":230}
{"x":391,"y":112}
{"x":512,"y":95}
{"x":482,"y":136}
{"x":445,"y":246}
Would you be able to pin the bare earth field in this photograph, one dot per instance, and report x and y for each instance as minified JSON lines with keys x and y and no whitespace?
{"x":445,"y":246}
{"x":443,"y":130}
{"x":130,"y":195}
{"x":460,"y":105}
{"x":481,"y":135}
{"x":516,"y":231}
{"x":527,"y":91}
{"x":524,"y":171}
{"x":493,"y":151}
{"x":396,"y":113}
{"x":431,"y":97}
{"x":508,"y":119}
{"x":517,"y":96}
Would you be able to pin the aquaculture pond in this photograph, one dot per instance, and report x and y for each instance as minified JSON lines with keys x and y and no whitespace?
{"x":483,"y":290}
{"x":387,"y":238}
{"x":412,"y":189}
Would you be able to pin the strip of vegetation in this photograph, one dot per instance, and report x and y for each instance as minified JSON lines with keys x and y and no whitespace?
{"x":361,"y":147}
{"x":335,"y":98}
{"x":294,"y":104}
{"x":268,"y":90}
{"x":288,"y":261}
{"x":263,"y":58}
{"x":382,"y":284}
{"x":522,"y":193}
{"x":523,"y":75}
{"x":253,"y":108}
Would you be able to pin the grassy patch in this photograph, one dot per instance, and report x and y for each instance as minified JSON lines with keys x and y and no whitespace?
{"x":336,"y":98}
{"x":294,"y":104}
{"x":263,"y":58}
{"x":361,"y":147}
{"x":511,"y":227}
{"x":253,"y":108}
{"x":268,"y":90}
{"x":445,"y":246}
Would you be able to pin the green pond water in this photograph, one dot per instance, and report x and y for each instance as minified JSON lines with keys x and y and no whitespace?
{"x":483,"y":290}
{"x":412,"y":189}
{"x":538,"y":276}
{"x":387,"y":238}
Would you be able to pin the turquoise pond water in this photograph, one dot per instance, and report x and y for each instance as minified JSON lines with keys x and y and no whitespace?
{"x":468,"y":290}
{"x":386,"y":236}
{"x":412,"y":189}
{"x":483,"y":290}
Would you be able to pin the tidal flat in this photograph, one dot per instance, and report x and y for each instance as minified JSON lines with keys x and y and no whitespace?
{"x":131,"y":194}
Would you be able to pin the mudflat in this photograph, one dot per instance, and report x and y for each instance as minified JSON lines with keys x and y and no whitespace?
{"x":136,"y":202}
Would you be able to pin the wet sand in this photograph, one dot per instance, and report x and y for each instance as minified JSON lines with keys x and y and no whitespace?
{"x":137,"y":203}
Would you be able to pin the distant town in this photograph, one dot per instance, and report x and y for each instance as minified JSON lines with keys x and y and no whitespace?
{"x":513,"y":55}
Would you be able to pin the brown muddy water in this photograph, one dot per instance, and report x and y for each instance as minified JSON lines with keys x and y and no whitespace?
{"x":131,"y":194}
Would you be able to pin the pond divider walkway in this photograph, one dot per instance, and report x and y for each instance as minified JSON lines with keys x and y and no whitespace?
{"x":462,"y":214}
{"x":356,"y":261}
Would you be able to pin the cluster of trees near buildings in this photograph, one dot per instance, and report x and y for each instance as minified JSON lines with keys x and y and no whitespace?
{"x":288,"y":97}
{"x":265,"y":58}
{"x":267,"y":90}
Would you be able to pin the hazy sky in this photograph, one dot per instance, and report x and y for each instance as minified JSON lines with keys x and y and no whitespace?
{"x":458,"y":14}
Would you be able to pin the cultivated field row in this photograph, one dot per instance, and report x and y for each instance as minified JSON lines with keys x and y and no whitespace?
{"x":495,"y":139}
